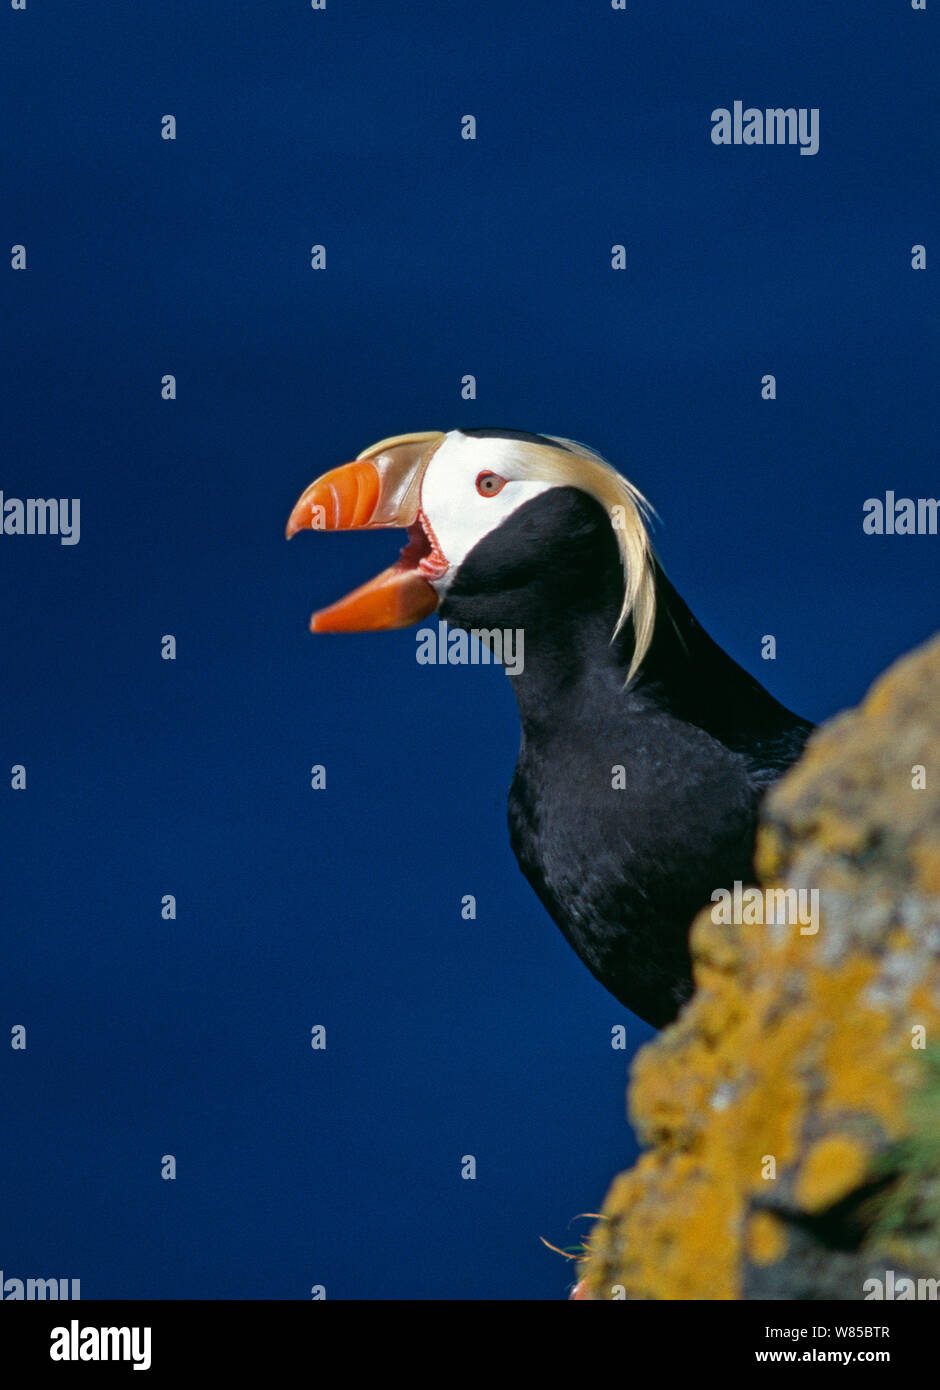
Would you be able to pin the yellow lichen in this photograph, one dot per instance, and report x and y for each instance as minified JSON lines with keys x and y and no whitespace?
{"x":833,"y":1167}
{"x":766,"y":1238}
{"x":925,"y":858}
{"x":787,"y":1037}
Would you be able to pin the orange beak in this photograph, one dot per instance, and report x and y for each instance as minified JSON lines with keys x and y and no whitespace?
{"x":382,"y":488}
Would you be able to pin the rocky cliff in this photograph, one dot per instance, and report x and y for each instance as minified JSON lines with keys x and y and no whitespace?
{"x":791,"y":1113}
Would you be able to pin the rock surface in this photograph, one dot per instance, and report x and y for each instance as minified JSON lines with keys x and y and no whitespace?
{"x":790,"y":1113}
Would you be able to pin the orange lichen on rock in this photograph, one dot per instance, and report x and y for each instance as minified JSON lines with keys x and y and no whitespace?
{"x":766,"y":1238}
{"x":770,"y":1101}
{"x":832,"y":1168}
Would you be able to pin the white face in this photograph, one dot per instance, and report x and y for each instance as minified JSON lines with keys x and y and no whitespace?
{"x":468,"y":490}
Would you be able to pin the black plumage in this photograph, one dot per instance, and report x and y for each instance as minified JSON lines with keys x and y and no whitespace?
{"x":622,"y":871}
{"x":645,"y":750}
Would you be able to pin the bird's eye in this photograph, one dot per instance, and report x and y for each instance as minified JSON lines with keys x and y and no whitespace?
{"x":488,"y":484}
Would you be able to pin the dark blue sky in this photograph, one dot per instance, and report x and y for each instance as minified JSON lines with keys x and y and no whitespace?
{"x":146,"y":777}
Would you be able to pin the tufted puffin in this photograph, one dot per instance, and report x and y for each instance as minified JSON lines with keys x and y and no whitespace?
{"x":645,"y":749}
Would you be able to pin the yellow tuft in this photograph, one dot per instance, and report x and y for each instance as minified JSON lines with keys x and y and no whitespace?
{"x":575,"y":465}
{"x":628,"y":511}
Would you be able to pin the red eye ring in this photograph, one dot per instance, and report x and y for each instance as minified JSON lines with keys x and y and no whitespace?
{"x":485,"y":481}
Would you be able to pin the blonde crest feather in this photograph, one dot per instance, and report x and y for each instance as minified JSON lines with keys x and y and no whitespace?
{"x":628,"y":511}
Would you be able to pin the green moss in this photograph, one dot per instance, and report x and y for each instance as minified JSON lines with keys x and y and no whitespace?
{"x":908,"y":1211}
{"x":798,"y":1047}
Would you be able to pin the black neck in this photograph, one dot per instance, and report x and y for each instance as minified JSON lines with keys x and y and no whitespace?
{"x":567,"y":608}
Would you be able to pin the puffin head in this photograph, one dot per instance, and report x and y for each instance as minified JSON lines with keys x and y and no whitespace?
{"x":505,"y":529}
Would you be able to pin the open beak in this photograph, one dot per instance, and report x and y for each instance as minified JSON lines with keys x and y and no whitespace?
{"x":382,"y":488}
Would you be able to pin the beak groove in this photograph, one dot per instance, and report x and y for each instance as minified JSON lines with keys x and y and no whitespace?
{"x":342,"y":500}
{"x":381,"y":488}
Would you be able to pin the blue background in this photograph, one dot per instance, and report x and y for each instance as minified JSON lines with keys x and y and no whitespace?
{"x":444,"y":257}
